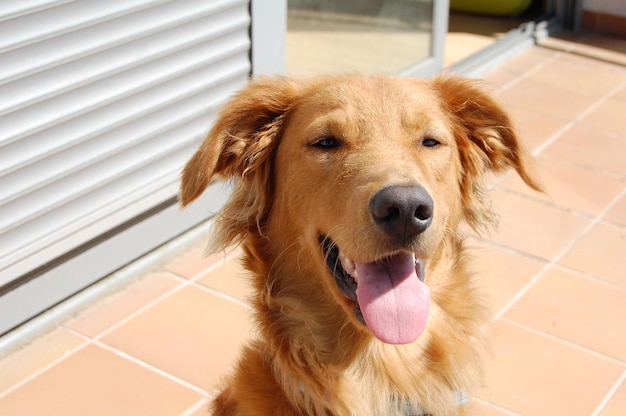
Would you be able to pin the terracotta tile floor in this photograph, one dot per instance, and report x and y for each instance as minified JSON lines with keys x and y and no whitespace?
{"x":555,"y":273}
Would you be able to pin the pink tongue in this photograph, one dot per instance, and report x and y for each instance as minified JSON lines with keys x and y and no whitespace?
{"x":394,"y":302}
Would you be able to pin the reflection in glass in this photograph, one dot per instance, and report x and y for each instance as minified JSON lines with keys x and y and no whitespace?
{"x":366,"y":36}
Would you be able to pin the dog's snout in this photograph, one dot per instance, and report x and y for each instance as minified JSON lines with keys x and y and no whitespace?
{"x":402,"y":211}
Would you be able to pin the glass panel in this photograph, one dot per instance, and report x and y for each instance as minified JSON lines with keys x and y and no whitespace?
{"x":365,"y":36}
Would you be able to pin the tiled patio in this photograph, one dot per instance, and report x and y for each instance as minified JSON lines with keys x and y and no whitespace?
{"x":555,"y":273}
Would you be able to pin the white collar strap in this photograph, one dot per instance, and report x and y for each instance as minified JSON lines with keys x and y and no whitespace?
{"x":409,"y":410}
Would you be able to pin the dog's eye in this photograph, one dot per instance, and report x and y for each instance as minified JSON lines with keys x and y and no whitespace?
{"x":430,"y":142}
{"x":327,"y":143}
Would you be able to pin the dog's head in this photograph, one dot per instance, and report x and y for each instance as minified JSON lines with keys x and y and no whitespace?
{"x":372,"y":174}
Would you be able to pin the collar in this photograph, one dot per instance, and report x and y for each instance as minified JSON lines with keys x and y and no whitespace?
{"x":410,"y":410}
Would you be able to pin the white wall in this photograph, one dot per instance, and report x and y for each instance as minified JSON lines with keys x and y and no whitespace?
{"x":614,"y":7}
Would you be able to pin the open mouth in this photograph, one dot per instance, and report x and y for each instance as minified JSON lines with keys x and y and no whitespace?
{"x":390,"y":296}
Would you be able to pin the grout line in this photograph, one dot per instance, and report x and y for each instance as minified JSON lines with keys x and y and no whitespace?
{"x":594,"y":219}
{"x":496,"y":406}
{"x":229,"y":254}
{"x":195,"y":407}
{"x":220,"y":294}
{"x":576,"y":164}
{"x":183,"y":284}
{"x":95,"y":340}
{"x":77,"y":333}
{"x":502,"y":247}
{"x":111,"y":284}
{"x":558,"y":257}
{"x":597,"y":280}
{"x":549,"y":203}
{"x":565,"y":342}
{"x":577,"y":119}
{"x":150,"y":367}
{"x":530,"y":72}
{"x":621,"y":379}
{"x":45,"y":368}
{"x":602,"y":215}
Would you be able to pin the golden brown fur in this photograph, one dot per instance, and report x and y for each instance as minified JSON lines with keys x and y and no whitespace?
{"x":312,"y":356}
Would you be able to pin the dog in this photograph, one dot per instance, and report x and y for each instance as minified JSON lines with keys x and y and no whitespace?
{"x":348,"y":196}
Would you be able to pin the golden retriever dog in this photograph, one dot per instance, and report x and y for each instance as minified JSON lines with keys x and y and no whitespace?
{"x":348,"y":196}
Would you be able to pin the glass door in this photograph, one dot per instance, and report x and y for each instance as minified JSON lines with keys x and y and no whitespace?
{"x":404,"y":37}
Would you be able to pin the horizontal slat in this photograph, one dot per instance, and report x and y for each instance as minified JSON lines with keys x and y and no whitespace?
{"x":13,"y":8}
{"x":63,"y":18}
{"x":63,"y":125}
{"x":49,"y":52}
{"x":38,"y":202}
{"x":47,"y":113}
{"x":54,"y":166}
{"x":62,"y":219}
{"x":71,"y":186}
{"x":30,"y":89}
{"x":149,"y":186}
{"x":94,"y":223}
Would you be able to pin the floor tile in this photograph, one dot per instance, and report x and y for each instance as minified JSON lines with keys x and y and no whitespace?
{"x":621,"y":94}
{"x":534,"y":128}
{"x":40,"y":353}
{"x":529,"y":60}
{"x":571,"y":185}
{"x":94,"y":381}
{"x":616,"y":405}
{"x":533,"y":375}
{"x":229,"y":278}
{"x":600,"y":253}
{"x":533,"y":226}
{"x":546,"y":98}
{"x":497,"y":78}
{"x":193,"y":334}
{"x":608,"y":117}
{"x":501,"y":273}
{"x":577,"y":309}
{"x":573,"y":73}
{"x":591,"y":147}
{"x":617,"y":214}
{"x":116,"y":307}
{"x":195,"y":261}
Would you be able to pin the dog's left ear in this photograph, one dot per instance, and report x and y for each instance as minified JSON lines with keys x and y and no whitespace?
{"x":487,"y":141}
{"x":240,"y":146}
{"x":241,"y":140}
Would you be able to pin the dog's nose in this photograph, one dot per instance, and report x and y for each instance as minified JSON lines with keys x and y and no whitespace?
{"x":402,"y":211}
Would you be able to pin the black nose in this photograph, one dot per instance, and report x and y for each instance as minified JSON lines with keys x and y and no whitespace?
{"x":402,"y":211}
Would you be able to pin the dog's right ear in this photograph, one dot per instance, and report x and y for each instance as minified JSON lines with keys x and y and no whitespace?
{"x":242,"y":138}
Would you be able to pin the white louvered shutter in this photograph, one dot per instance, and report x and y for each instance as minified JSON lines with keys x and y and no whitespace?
{"x":101,"y":103}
